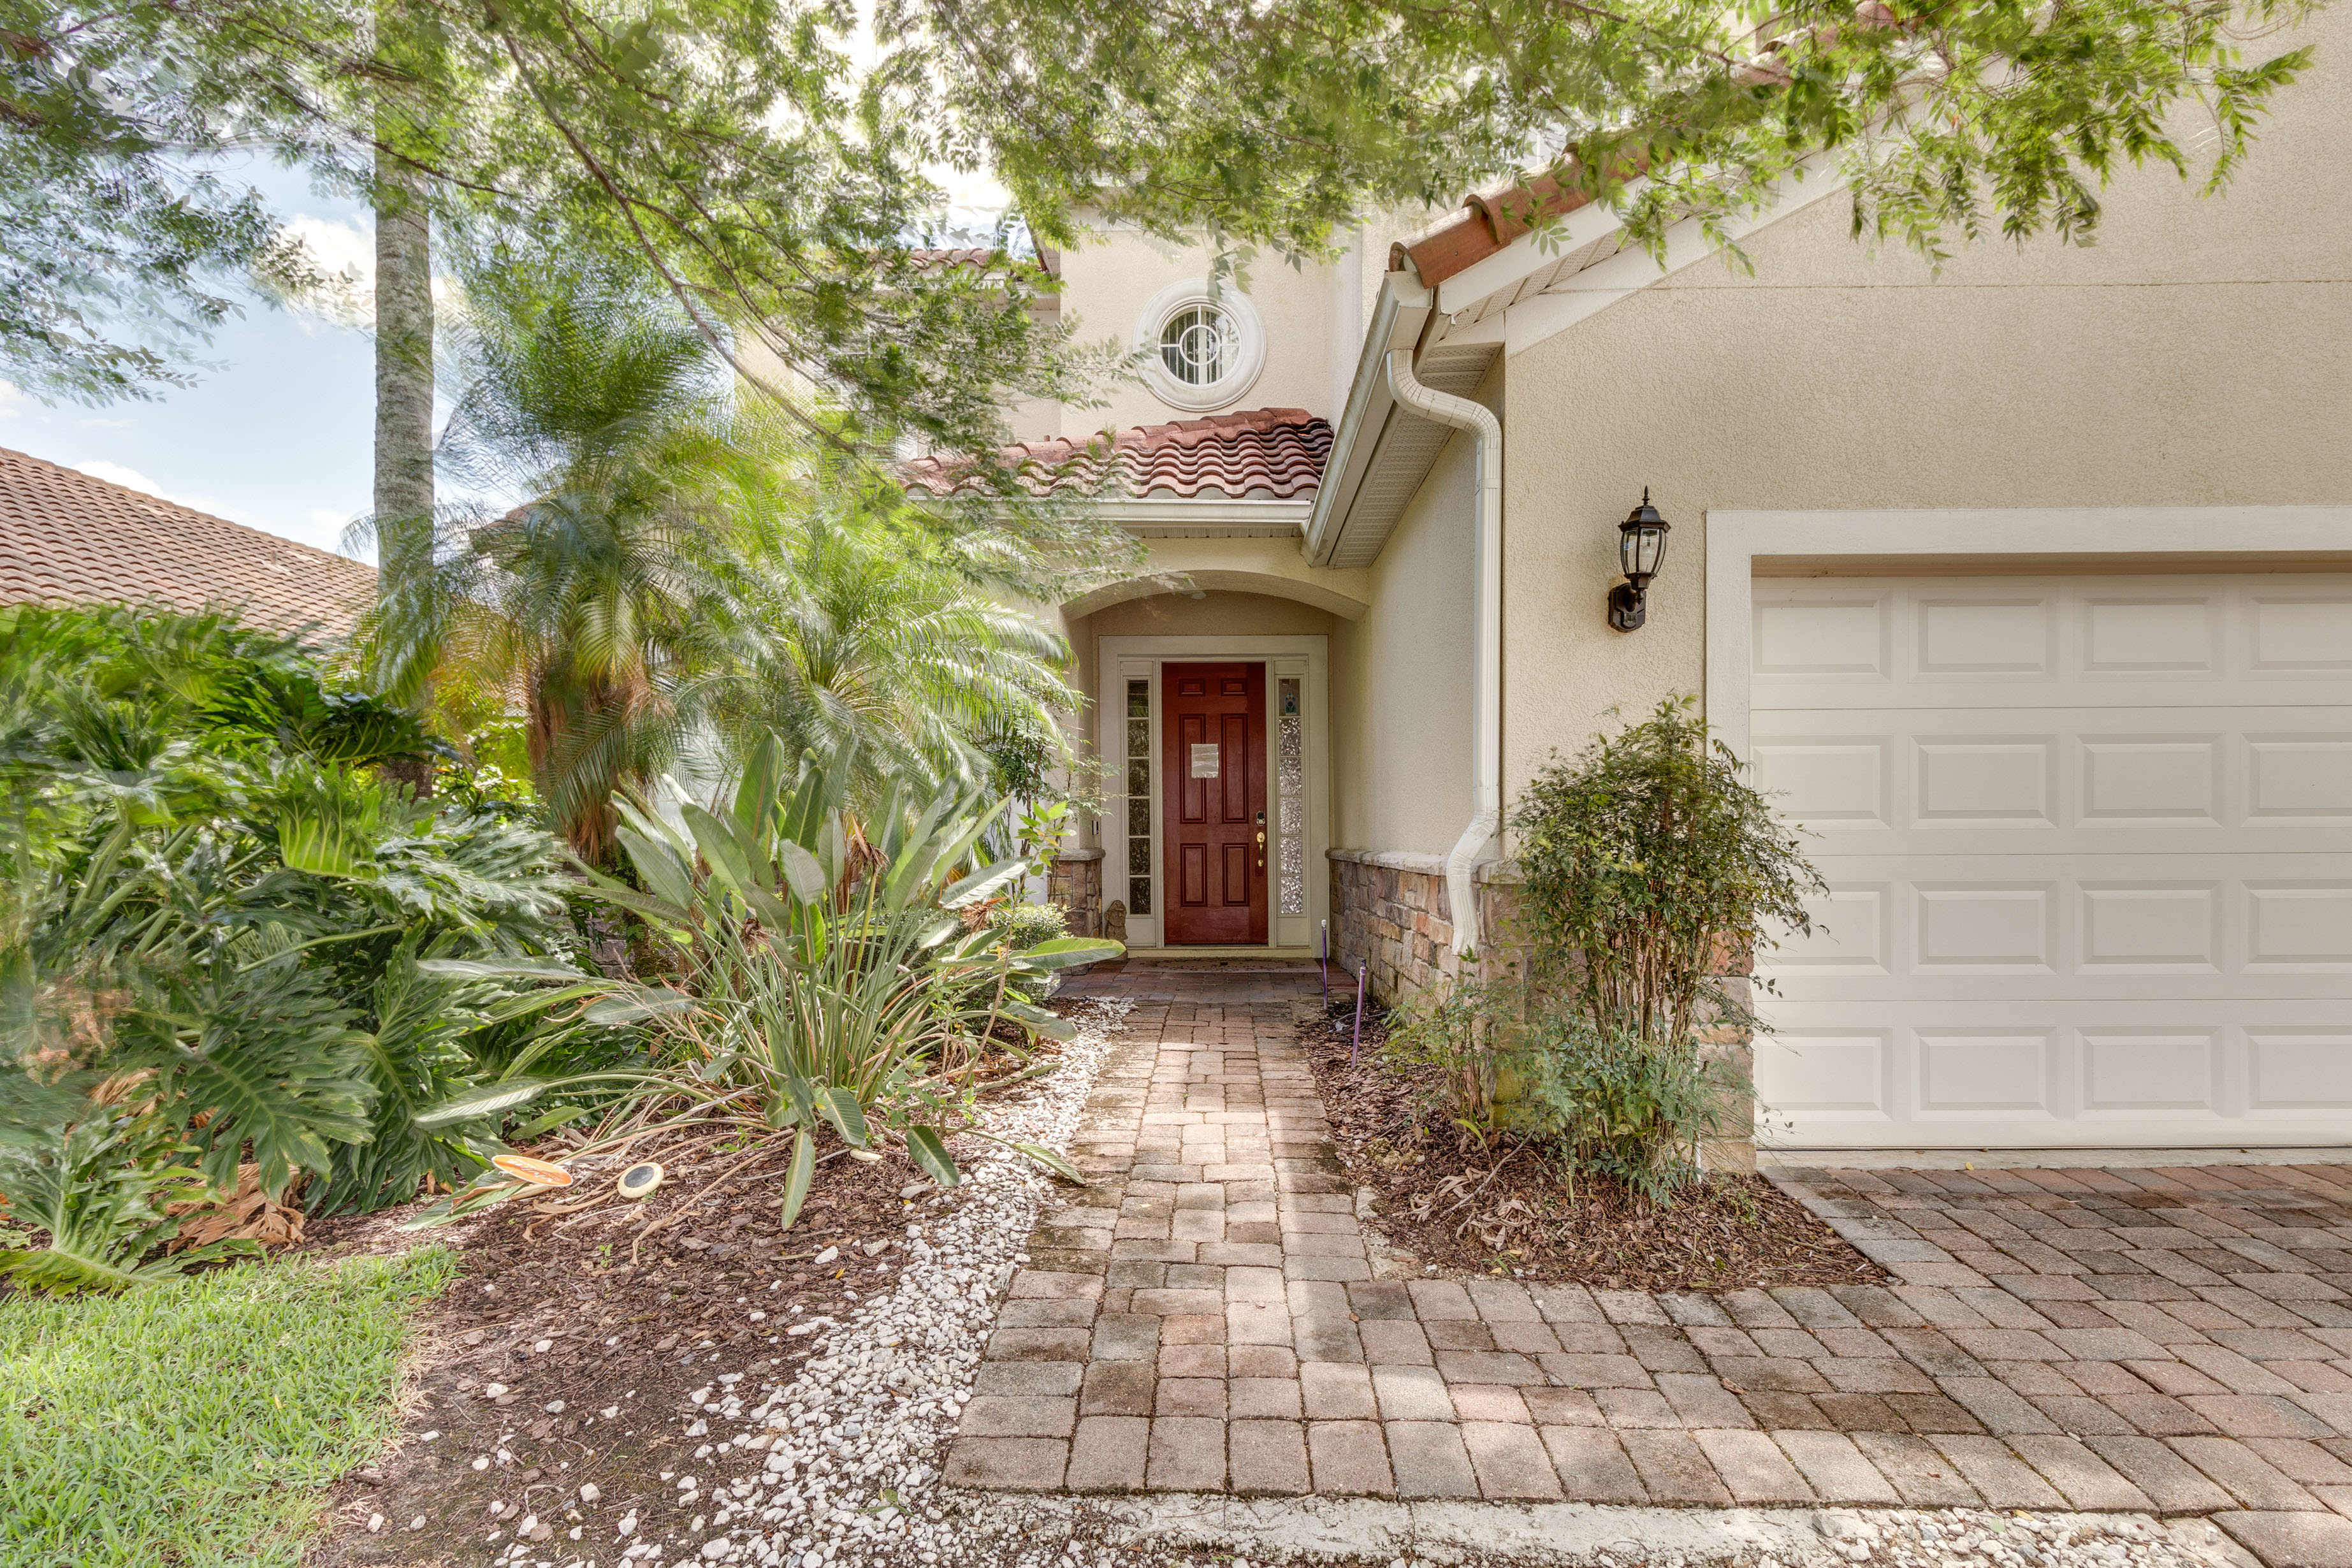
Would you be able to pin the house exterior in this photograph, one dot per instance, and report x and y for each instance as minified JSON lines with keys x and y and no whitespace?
{"x":2028,"y":585}
{"x":67,"y":538}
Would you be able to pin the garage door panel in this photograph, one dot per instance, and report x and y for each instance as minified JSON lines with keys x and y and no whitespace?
{"x":2142,"y":632}
{"x":2300,"y":780}
{"x":1852,"y":934}
{"x":2150,"y":928}
{"x":1985,"y":928}
{"x":2150,"y":1070}
{"x":2305,"y":631}
{"x":2245,"y":767}
{"x":1975,"y":781}
{"x":2007,"y":635}
{"x":2295,"y":1070}
{"x":2089,"y":849}
{"x":2244,"y":925}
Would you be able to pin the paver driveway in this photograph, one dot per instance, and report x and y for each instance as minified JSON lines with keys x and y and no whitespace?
{"x":1206,"y":1317}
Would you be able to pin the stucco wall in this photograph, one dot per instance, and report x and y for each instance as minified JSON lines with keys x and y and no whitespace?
{"x":1401,"y":675}
{"x":1216,"y":615}
{"x":1106,"y":283}
{"x":2195,"y":356}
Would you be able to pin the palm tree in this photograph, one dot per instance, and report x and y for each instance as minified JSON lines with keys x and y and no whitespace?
{"x":592,"y":599}
{"x":684,"y":573}
{"x":857,"y":627}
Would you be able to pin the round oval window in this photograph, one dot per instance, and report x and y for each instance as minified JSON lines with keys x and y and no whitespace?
{"x":1198,"y":345}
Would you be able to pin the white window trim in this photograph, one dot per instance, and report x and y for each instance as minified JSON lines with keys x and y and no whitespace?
{"x":2042,"y":540}
{"x":1305,"y":657}
{"x":1249,"y":349}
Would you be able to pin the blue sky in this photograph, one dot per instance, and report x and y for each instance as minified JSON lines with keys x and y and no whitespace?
{"x":279,"y":436}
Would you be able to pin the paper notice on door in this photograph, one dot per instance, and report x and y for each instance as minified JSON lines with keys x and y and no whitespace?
{"x":1204,"y":761}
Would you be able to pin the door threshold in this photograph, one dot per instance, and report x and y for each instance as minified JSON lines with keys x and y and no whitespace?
{"x":1220,"y":951}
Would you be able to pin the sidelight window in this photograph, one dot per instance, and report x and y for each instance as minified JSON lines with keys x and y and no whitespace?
{"x":1290,"y":792}
{"x":1138,"y":798}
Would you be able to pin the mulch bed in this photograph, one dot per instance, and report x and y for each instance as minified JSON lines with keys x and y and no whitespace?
{"x":1470,"y":1210}
{"x":622,"y":1343}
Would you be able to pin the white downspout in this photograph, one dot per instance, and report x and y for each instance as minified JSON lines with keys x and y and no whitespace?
{"x":1486,"y":629}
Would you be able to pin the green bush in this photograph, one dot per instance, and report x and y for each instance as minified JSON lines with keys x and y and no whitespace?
{"x":1651,"y":872}
{"x":1504,"y":1061}
{"x":196,"y":1421}
{"x":220,"y":934}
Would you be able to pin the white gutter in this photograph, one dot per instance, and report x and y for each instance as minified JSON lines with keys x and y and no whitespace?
{"x":1487,"y":630}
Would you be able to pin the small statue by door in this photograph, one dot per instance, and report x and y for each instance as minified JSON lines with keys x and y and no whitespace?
{"x":1115,"y":920}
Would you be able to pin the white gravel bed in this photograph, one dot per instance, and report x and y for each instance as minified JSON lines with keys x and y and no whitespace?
{"x":842,"y":1463}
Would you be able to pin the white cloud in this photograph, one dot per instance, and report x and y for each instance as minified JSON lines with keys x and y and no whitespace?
{"x":131,"y":479}
{"x":12,"y":400}
{"x":326,"y":519}
{"x":344,"y":250}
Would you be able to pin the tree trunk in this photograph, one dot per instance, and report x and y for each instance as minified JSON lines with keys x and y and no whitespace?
{"x":403,"y":400}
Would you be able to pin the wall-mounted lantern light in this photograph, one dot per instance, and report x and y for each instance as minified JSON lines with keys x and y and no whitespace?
{"x":1640,"y":547}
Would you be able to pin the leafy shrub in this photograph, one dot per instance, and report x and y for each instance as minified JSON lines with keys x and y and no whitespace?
{"x":219,"y":935}
{"x":1650,"y":873}
{"x":1026,"y":925}
{"x":1650,"y":870}
{"x":1022,"y":926}
{"x":829,"y":976}
{"x":1504,"y":1061}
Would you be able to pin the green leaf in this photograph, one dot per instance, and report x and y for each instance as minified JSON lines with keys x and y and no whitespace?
{"x":653,"y":1002}
{"x":800,"y":869}
{"x":497,"y":968}
{"x":1052,"y":1026}
{"x":663,"y":867}
{"x":1053,"y":1163}
{"x":983,"y":882}
{"x":840,"y":1107}
{"x":483,"y":1102}
{"x":538,"y":1126}
{"x":1063,"y":952}
{"x":796,"y":1183}
{"x":720,"y":848}
{"x":758,"y":792}
{"x":531,"y":1002}
{"x":803,"y":1098}
{"x":929,"y":1151}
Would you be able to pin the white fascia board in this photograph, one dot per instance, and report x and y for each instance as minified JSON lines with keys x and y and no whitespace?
{"x":1598,"y":287}
{"x":1399,"y":315}
{"x":1283,"y":519}
{"x":1530,"y":254}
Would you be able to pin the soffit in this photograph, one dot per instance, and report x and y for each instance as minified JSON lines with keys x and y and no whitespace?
{"x":1402,"y":452}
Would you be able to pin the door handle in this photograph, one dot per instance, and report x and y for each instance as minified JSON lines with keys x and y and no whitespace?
{"x":1261,"y":849}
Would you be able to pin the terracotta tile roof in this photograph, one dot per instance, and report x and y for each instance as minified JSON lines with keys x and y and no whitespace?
{"x":66,"y":536}
{"x":1266,"y":453}
{"x":926,"y":261}
{"x":1487,"y":221}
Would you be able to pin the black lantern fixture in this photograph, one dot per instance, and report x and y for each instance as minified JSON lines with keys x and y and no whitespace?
{"x":1640,"y":547}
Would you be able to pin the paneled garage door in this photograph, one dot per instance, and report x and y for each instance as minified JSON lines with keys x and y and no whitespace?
{"x":2089,"y":843}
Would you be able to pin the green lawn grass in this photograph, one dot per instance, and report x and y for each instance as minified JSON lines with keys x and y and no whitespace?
{"x":192,"y":1422}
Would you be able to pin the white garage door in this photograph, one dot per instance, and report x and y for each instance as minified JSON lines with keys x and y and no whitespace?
{"x":2089,"y":842}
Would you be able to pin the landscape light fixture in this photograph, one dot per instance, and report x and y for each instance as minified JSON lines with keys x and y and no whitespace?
{"x":1640,"y":547}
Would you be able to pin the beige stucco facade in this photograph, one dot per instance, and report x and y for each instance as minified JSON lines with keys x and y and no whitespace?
{"x":2192,"y":357}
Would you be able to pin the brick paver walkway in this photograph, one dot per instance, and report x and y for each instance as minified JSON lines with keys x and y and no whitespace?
{"x":1206,"y":1317}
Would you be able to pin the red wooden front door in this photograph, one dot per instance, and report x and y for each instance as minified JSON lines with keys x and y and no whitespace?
{"x":1214,"y":802}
